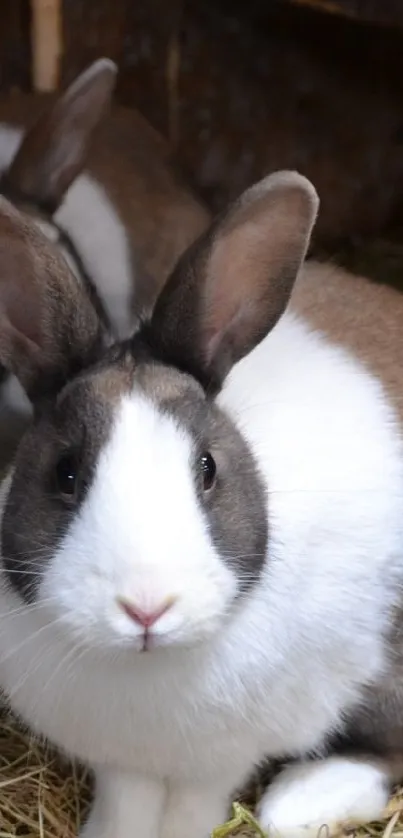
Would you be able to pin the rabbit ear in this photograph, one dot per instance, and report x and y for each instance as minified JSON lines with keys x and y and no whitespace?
{"x":54,"y":151}
{"x":232,"y":286}
{"x":48,"y":326}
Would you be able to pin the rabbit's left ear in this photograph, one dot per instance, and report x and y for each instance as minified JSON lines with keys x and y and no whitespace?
{"x":232,"y":286}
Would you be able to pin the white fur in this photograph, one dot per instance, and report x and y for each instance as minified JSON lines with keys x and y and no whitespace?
{"x":271,"y":676}
{"x":125,"y":803}
{"x":324,"y":794}
{"x":10,"y":139}
{"x":13,"y":394}
{"x":93,"y":224}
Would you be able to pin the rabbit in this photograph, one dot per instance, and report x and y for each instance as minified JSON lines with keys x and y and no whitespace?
{"x":100,"y":184}
{"x":202,"y":530}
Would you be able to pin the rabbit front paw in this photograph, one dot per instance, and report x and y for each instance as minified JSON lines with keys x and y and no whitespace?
{"x":125,"y":806}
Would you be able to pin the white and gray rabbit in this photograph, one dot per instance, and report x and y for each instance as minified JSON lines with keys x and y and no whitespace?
{"x":202,"y":529}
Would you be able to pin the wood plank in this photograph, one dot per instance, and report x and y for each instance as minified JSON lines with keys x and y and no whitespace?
{"x":264,"y":86}
{"x":91,"y":29}
{"x":15,"y":44}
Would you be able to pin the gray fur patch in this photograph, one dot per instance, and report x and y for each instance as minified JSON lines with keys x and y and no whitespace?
{"x":36,"y":517}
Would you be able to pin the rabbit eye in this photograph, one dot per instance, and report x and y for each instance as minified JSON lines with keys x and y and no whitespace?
{"x":66,"y":475}
{"x":208,"y":470}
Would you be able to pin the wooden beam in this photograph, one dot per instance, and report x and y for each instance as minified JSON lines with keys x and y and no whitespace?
{"x":46,"y":44}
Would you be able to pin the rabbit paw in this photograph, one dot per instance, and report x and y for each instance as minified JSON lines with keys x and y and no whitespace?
{"x":328,"y":793}
{"x":125,"y":806}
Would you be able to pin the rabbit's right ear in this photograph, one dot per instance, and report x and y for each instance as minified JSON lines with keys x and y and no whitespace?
{"x":49,"y":329}
{"x":232,"y":286}
{"x":54,"y":151}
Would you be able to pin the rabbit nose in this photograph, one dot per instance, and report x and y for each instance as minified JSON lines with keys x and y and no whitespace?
{"x":146,"y":619}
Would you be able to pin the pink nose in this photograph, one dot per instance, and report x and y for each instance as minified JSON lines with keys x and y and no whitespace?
{"x":145,"y":618}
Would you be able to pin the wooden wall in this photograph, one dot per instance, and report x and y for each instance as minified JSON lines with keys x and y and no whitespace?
{"x":15,"y":51}
{"x":244,"y":88}
{"x":262,"y":86}
{"x":90,"y":28}
{"x":385,"y":12}
{"x":112,"y":27}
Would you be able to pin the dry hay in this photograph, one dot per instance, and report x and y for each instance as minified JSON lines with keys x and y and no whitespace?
{"x":41,"y":796}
